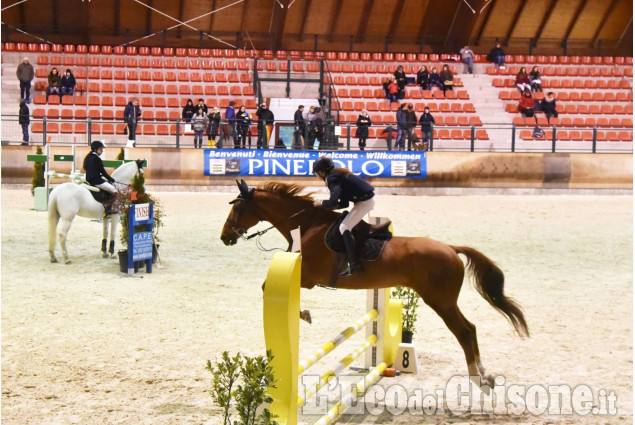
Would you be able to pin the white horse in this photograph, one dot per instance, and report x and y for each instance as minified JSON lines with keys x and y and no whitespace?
{"x":69,"y":199}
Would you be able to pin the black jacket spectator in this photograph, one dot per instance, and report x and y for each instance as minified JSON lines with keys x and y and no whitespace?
{"x":363,"y":122}
{"x":68,"y":82}
{"x":24,"y":114}
{"x":400,"y":76}
{"x":188,"y":111}
{"x":423,"y":78}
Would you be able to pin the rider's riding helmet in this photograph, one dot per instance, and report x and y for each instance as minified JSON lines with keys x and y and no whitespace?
{"x":96,"y":145}
{"x":323,"y":163}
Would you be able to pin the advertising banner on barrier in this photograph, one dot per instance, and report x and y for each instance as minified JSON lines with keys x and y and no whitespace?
{"x":280,"y":163}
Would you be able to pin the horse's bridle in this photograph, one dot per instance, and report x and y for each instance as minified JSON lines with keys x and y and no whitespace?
{"x":242,"y":232}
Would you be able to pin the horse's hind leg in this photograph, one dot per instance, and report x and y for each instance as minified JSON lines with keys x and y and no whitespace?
{"x":465,"y":333}
{"x":63,"y":228}
{"x":114,"y":220}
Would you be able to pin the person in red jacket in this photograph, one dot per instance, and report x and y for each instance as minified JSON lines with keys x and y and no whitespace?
{"x":526,"y":106}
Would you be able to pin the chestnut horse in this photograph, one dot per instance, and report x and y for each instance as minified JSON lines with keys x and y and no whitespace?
{"x":431,"y":268}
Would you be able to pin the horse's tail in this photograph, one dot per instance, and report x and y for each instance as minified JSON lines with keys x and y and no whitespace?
{"x":489,"y":282}
{"x":54,"y":218}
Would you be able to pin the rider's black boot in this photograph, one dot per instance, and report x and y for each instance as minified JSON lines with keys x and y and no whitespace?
{"x":354,"y":265}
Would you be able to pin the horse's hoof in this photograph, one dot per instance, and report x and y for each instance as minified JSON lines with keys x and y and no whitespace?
{"x":68,"y":262}
{"x":105,"y":255}
{"x":53,"y":260}
{"x":306,"y":316}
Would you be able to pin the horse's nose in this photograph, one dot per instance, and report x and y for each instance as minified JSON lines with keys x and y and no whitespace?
{"x":228,"y":239}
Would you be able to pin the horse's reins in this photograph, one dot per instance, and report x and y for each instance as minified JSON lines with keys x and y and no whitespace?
{"x":242,"y":233}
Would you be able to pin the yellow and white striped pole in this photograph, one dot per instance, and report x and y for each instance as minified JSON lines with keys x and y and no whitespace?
{"x":341,"y":337}
{"x":339,"y":367}
{"x":359,"y":389}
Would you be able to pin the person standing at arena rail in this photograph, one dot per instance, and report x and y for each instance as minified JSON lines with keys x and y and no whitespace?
{"x":300,"y":127}
{"x":24,"y":121}
{"x":411,"y":124}
{"x":132,"y":115}
{"x":402,"y":127}
{"x":243,"y":119}
{"x":427,"y":126}
{"x":25,"y":74}
{"x":265,"y":126}
{"x":199,"y":124}
{"x":363,"y":123}
{"x":230,"y":117}
{"x":345,"y":187}
{"x":213,"y":124}
{"x":96,"y":174}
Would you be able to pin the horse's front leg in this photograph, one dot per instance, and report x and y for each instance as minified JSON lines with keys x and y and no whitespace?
{"x":104,"y":239}
{"x":304,"y":314}
{"x":64,"y":227}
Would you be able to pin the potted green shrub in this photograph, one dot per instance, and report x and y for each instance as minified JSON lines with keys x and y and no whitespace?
{"x":410,"y":302}
{"x":38,"y":173}
{"x":136,"y":194}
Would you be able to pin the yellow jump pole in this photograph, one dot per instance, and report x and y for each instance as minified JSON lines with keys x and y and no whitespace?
{"x":339,"y":367}
{"x":341,"y":337}
{"x":359,"y":389}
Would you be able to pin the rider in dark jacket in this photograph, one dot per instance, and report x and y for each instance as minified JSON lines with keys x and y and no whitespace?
{"x":345,"y":187}
{"x":96,"y":174}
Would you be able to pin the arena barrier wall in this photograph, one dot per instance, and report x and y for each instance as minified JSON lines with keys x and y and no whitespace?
{"x":184,"y":167}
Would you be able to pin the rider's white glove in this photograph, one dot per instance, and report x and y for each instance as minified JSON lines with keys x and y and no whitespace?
{"x":317,"y":203}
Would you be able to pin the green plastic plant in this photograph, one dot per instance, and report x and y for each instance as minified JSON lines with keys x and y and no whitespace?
{"x":121,"y":155}
{"x":410,"y":302}
{"x":124,"y":204}
{"x":38,"y":173}
{"x":252,"y":377}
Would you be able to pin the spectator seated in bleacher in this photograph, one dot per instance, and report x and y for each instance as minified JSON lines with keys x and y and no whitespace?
{"x":447,"y":79}
{"x":392,"y":89}
{"x":526,"y":106}
{"x":522,"y":80}
{"x":467,"y":56}
{"x":435,"y":79}
{"x":68,"y":83}
{"x":201,"y":104}
{"x":401,"y":79}
{"x":534,"y":79}
{"x":497,"y":55}
{"x":548,"y":106}
{"x":423,"y":78}
{"x":55,"y":84}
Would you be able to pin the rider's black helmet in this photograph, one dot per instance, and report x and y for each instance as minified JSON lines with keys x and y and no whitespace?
{"x":323,"y":163}
{"x":96,"y":145}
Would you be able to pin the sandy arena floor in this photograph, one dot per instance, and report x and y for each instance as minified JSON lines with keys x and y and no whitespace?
{"x":82,"y":345}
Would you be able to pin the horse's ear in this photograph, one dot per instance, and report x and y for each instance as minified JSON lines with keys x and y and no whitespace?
{"x":245,"y":192}
{"x":140,"y":163}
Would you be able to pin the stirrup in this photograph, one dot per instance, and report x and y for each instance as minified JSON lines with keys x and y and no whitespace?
{"x":352,"y":269}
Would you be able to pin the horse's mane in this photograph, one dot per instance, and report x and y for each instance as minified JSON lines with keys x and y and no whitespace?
{"x":291,"y":190}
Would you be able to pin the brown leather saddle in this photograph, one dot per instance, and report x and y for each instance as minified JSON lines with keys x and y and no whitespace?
{"x":370,"y":240}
